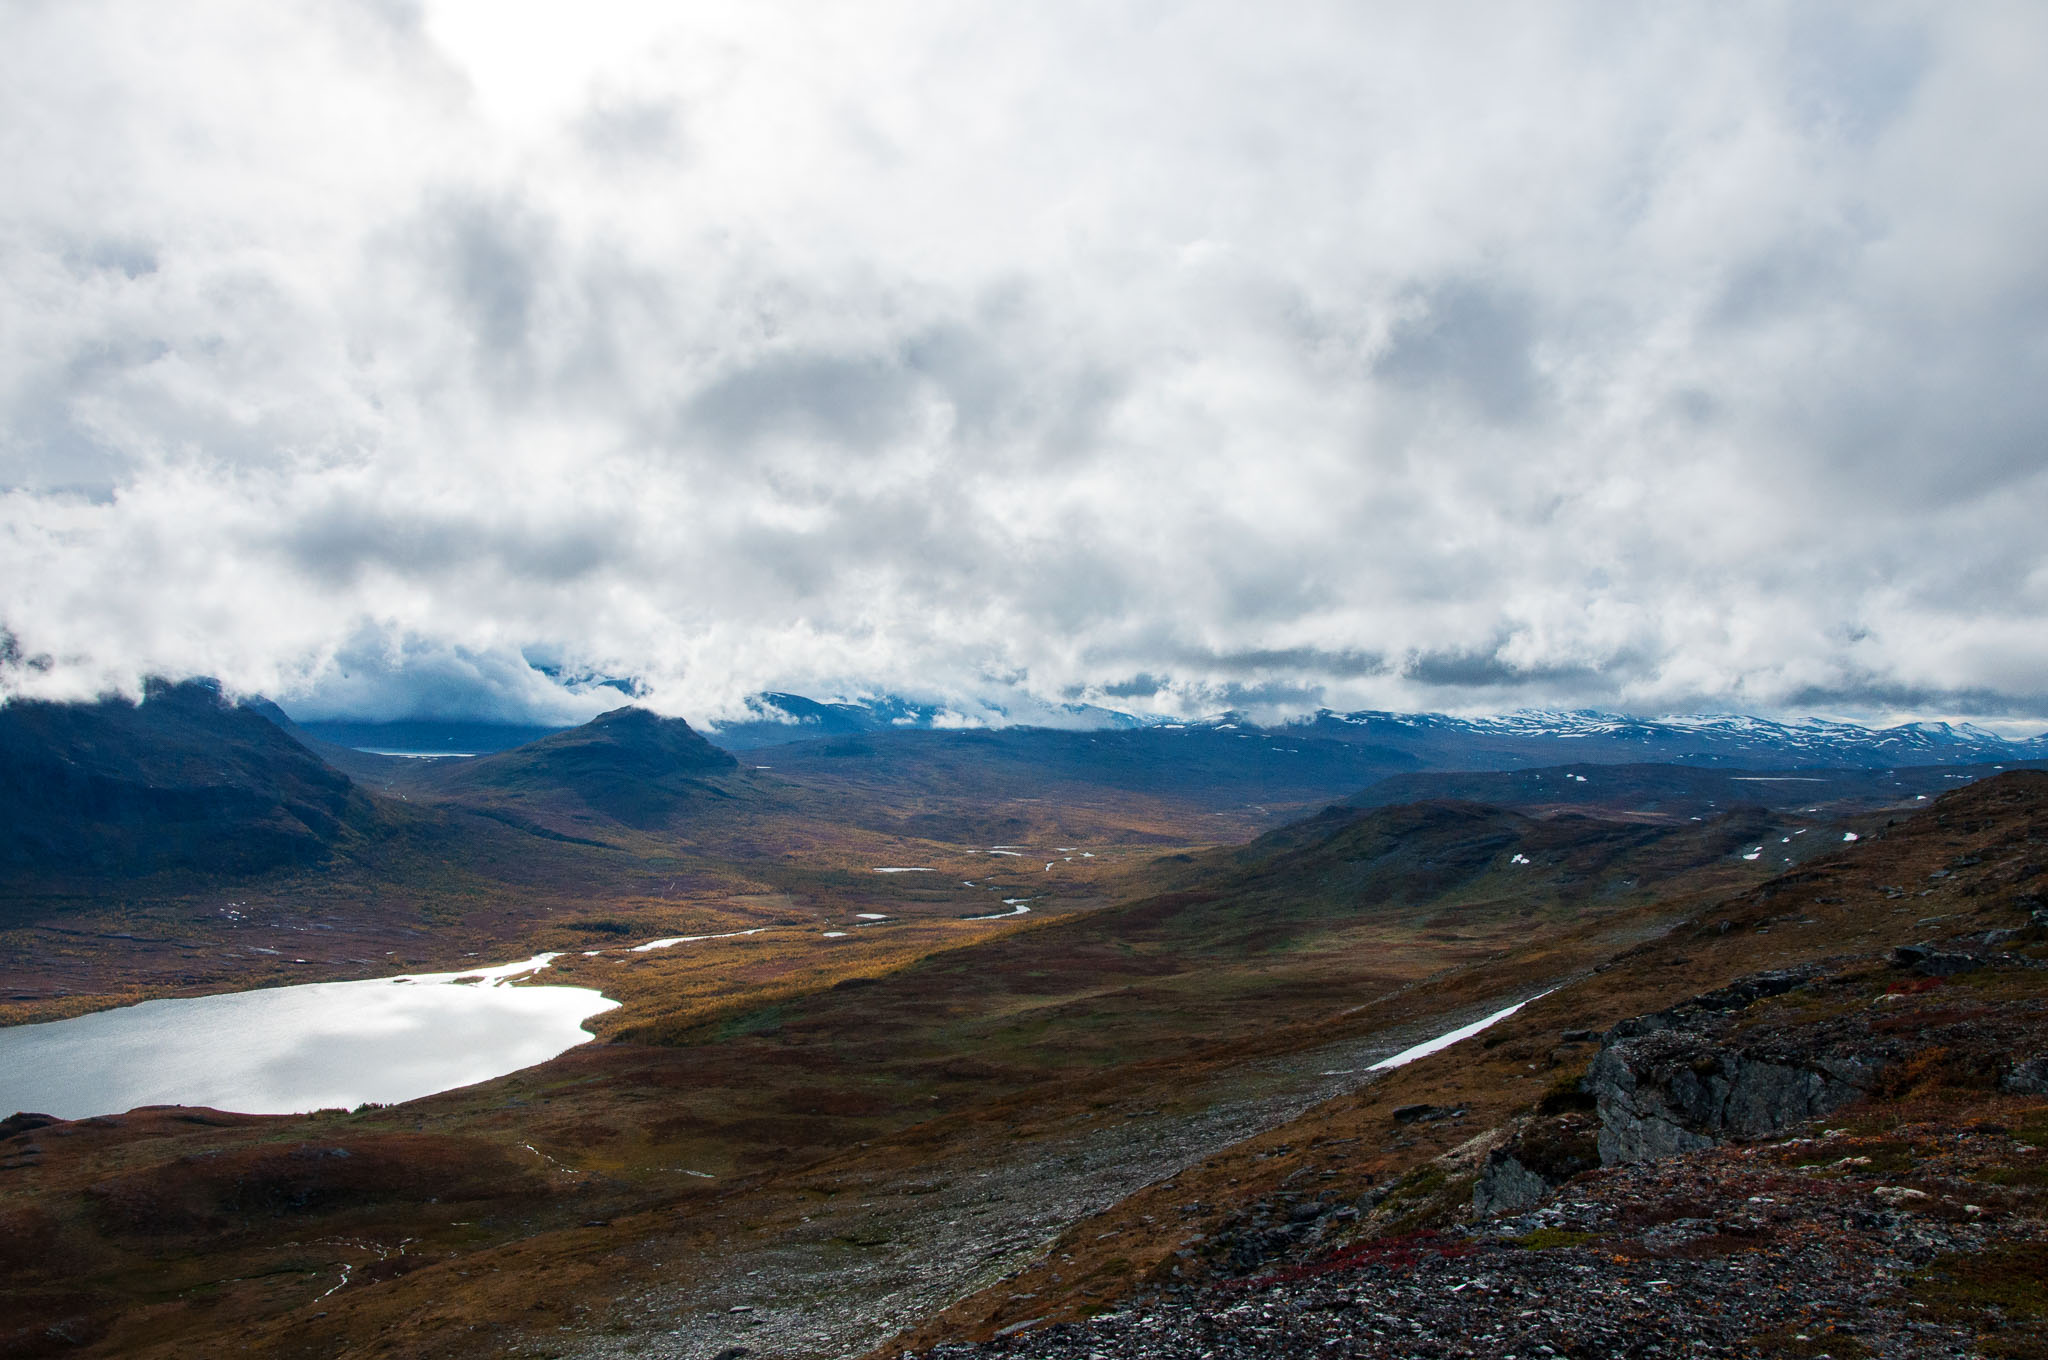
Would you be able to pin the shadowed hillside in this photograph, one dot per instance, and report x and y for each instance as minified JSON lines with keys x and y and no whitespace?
{"x":630,"y":765}
{"x":184,"y":780}
{"x":1675,"y":792}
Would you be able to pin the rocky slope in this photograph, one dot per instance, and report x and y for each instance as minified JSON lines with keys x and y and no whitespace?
{"x":1792,"y":1247}
{"x":1836,"y":1153}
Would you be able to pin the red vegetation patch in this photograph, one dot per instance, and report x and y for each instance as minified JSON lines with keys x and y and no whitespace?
{"x":1400,"y":1253}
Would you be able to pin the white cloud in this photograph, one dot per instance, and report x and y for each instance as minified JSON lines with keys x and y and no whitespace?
{"x":1433,"y":356}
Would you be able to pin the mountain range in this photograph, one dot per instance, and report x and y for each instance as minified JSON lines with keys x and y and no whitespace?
{"x":191,"y":780}
{"x":1429,"y":740}
{"x":1533,"y":736}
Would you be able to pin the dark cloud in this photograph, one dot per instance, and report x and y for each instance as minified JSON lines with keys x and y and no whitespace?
{"x":1280,"y":677}
{"x":1783,"y":282}
{"x":1852,"y":71}
{"x":631,"y":130}
{"x":1472,"y":340}
{"x":131,"y":259}
{"x":340,"y":539}
{"x":1484,"y":669}
{"x":1143,"y":685}
{"x":1316,"y":661}
{"x":491,"y":255}
{"x":848,"y":401}
{"x":1871,"y":695}
{"x":999,"y":389}
{"x":1267,"y":696}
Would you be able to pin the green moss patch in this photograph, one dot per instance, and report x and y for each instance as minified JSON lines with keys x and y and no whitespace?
{"x":1987,"y":1289}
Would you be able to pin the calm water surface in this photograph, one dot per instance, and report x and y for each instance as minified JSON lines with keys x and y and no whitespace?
{"x":282,"y":1050}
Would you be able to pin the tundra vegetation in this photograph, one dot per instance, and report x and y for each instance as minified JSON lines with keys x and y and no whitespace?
{"x":896,"y":1117}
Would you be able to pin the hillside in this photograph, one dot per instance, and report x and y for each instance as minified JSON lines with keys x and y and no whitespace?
{"x":1665,"y":792}
{"x":1527,"y":738}
{"x":632,"y":766}
{"x":1803,"y":1121}
{"x":186,"y":844}
{"x":182,"y":781}
{"x":1217,"y":767}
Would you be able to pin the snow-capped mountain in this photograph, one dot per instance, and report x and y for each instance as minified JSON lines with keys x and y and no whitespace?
{"x":1441,"y":741}
{"x":778,"y":719}
{"x":1532,"y":736}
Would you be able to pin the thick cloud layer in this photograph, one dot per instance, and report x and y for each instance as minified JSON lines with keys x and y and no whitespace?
{"x":402,"y":359}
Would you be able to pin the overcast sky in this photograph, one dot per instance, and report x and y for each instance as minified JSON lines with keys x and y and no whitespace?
{"x":391,"y":358}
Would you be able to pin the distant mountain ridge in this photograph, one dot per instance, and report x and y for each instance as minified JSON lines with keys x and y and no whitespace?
{"x":632,"y":765}
{"x":783,"y":718}
{"x":1526,"y":737}
{"x":189,"y":780}
{"x":1730,"y":739}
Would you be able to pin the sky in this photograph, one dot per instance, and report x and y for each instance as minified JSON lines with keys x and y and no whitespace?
{"x":443,"y":359}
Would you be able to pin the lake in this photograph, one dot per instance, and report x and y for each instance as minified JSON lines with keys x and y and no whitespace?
{"x":283,"y":1050}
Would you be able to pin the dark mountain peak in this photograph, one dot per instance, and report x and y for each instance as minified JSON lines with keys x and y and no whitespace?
{"x":264,"y":708}
{"x":184,"y":779}
{"x":197,"y":689}
{"x":631,"y":764}
{"x":634,"y":740}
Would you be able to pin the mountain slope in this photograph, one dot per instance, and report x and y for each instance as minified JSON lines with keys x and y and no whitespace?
{"x":1462,"y":865}
{"x":183,"y":780}
{"x":630,"y":765}
{"x":768,"y":1172}
{"x":1891,"y":993}
{"x":1672,"y":792}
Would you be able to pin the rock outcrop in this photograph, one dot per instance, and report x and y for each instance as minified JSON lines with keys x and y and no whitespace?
{"x":1685,"y":1079}
{"x":1535,"y":1159}
{"x":1680,"y":1091}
